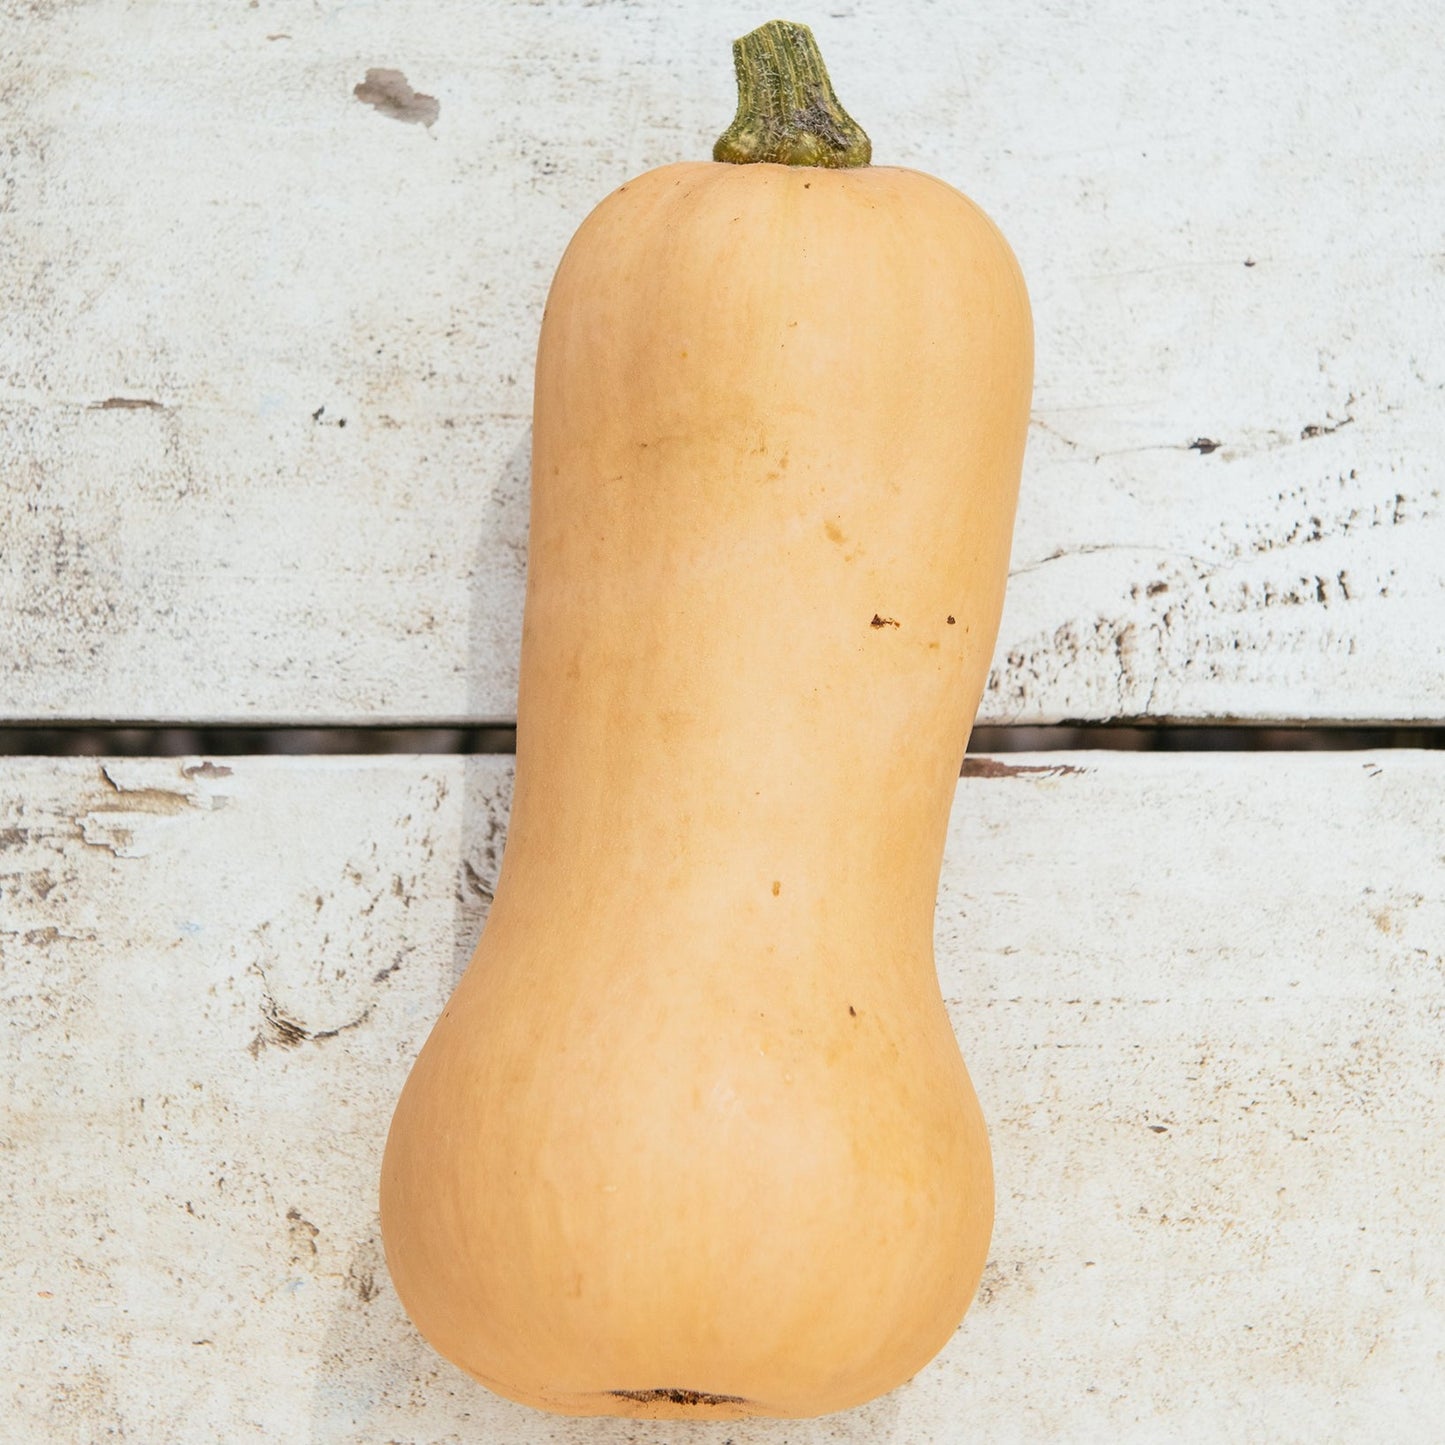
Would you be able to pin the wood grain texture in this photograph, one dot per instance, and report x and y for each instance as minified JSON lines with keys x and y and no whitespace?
{"x":265,"y":367}
{"x":1201,"y":998}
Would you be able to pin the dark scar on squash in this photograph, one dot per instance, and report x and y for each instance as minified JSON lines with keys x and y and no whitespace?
{"x":677,"y":1397}
{"x":884,"y":621}
{"x":950,"y":619}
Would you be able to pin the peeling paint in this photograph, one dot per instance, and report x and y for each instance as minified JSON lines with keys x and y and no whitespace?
{"x":389,"y":94}
{"x":986,"y":767}
{"x":127,"y":403}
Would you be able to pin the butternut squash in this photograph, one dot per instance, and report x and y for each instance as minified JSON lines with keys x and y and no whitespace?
{"x":693,"y":1136}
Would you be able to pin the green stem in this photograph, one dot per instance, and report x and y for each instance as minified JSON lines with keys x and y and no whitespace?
{"x":787,"y":112}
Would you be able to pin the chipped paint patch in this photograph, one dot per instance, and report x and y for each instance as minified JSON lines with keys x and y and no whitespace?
{"x":389,"y":94}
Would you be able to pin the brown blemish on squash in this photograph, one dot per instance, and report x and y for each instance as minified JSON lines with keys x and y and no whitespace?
{"x":777,"y":887}
{"x":677,"y":1397}
{"x":950,"y":619}
{"x":884,"y":621}
{"x":835,"y":532}
{"x":852,"y":1011}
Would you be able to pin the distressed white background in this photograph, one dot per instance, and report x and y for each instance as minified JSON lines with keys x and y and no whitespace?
{"x":1212,"y":1073}
{"x":1203,"y":998}
{"x":199,"y":214}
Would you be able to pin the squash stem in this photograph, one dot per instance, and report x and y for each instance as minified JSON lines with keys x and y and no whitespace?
{"x":787,"y":112}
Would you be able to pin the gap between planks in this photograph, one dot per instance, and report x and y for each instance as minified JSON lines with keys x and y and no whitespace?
{"x":98,"y":739}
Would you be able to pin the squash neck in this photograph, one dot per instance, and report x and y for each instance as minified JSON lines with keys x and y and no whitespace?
{"x":787,"y":112}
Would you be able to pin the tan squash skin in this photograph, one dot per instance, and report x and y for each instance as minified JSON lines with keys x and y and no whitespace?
{"x":693,"y":1137}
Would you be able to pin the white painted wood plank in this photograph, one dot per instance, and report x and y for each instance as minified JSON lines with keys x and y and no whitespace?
{"x":1201,"y":997}
{"x":1231,"y":225}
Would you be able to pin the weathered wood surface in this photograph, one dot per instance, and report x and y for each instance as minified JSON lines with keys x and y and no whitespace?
{"x":1202,"y":999}
{"x":266,"y":352}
